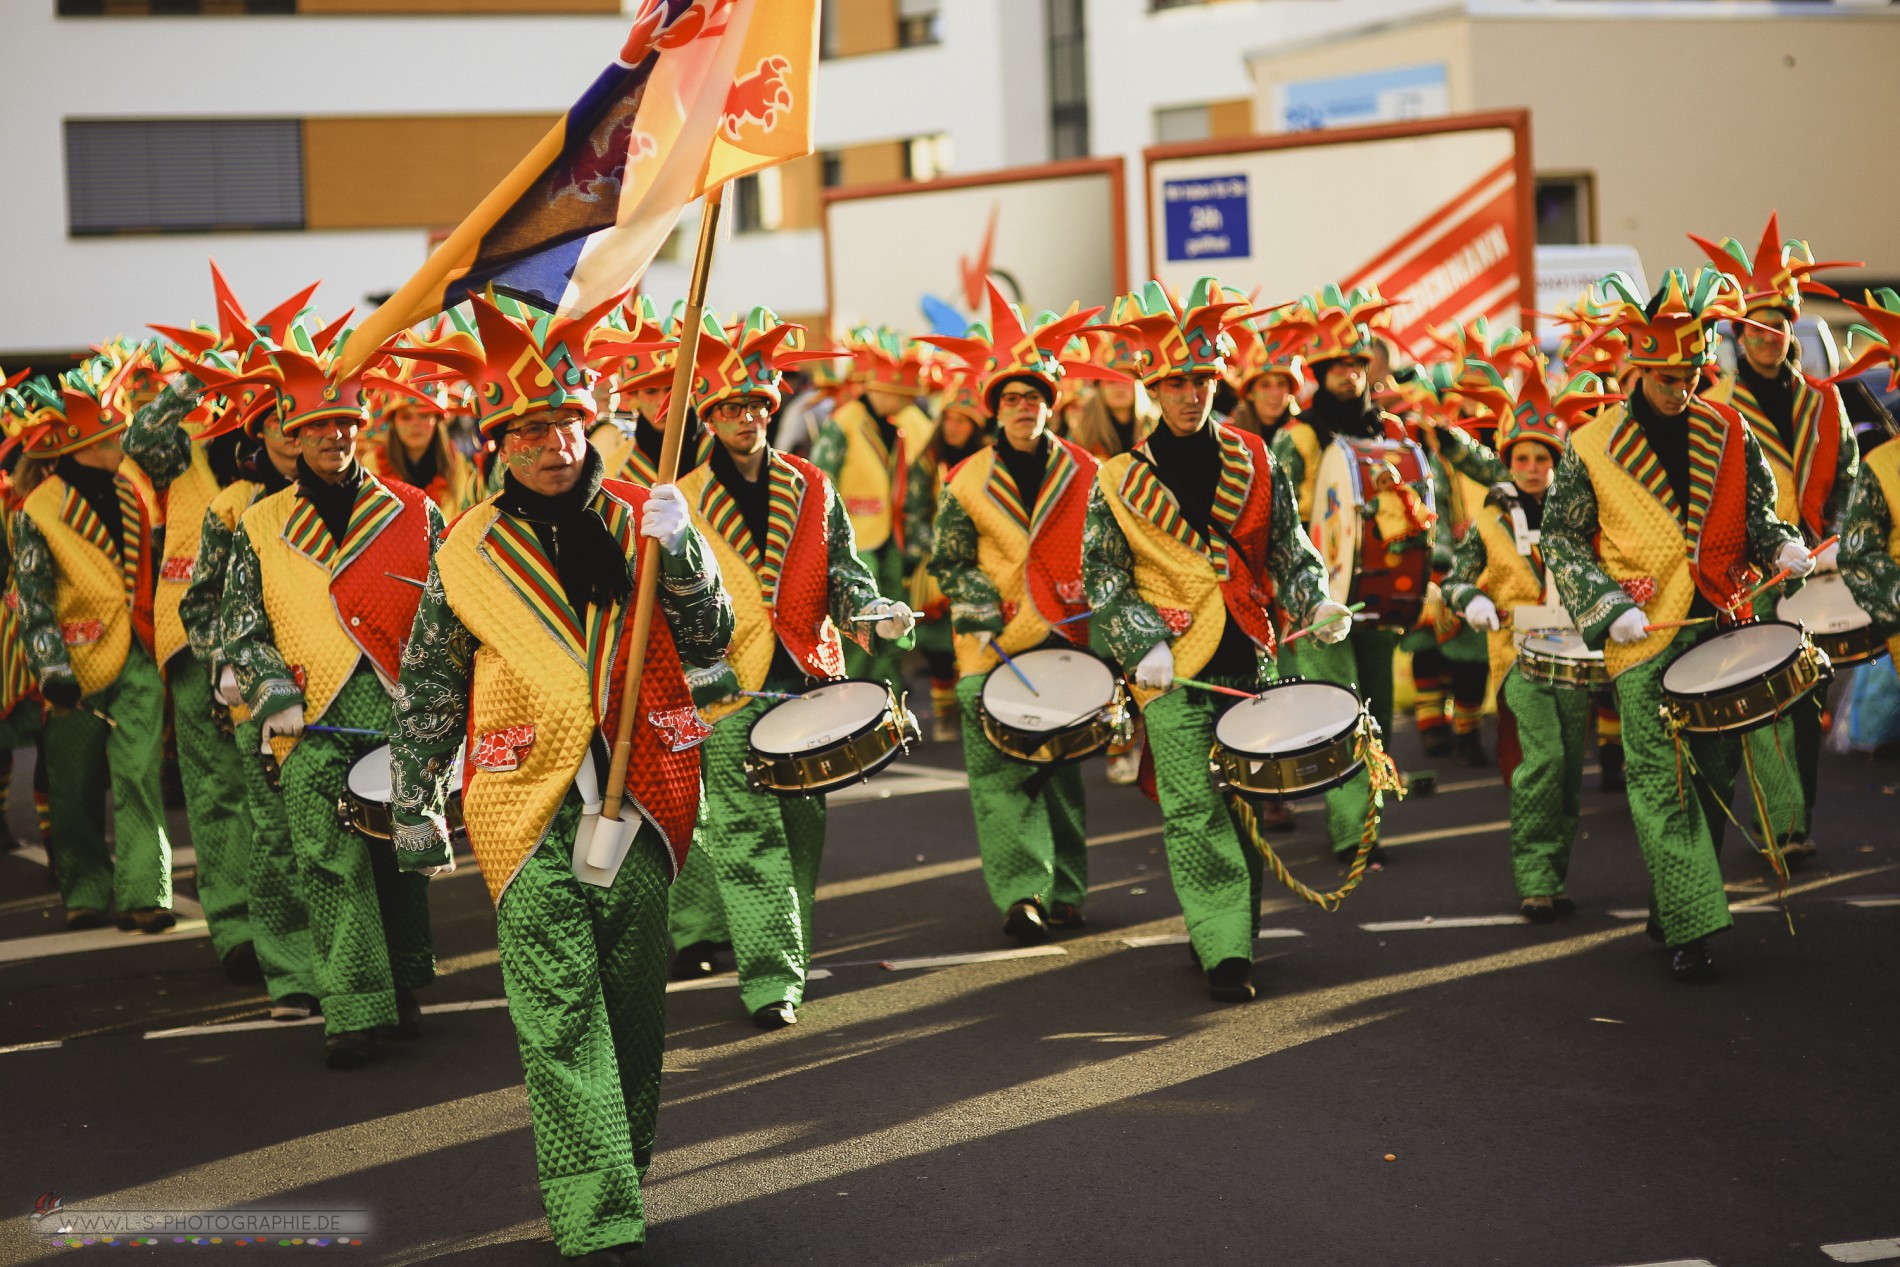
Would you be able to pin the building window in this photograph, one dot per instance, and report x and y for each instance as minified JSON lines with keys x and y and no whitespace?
{"x":1566,"y":209}
{"x":1068,"y":80}
{"x":827,"y":30}
{"x":759,"y":202}
{"x":169,"y":8}
{"x":926,"y":157}
{"x":916,"y":23}
{"x":183,"y":175}
{"x":1156,"y":6}
{"x":830,"y":168}
{"x":1182,"y":123}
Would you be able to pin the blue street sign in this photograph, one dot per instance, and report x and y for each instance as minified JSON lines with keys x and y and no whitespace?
{"x":1206,"y":218}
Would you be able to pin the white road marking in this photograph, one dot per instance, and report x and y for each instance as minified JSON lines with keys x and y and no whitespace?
{"x":239,"y":1027}
{"x":977,"y":956}
{"x":1873,"y":901}
{"x":57,"y":1042}
{"x":42,"y":945}
{"x":1450,"y":921}
{"x":1677,"y":1262}
{"x":1877,"y":1251}
{"x":1181,"y":939}
{"x":724,"y":980}
{"x":900,"y":781}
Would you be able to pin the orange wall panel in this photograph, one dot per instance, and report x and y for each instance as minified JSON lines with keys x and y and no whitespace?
{"x":408,"y":172}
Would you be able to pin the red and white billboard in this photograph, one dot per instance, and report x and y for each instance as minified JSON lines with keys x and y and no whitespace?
{"x":1437,"y":213}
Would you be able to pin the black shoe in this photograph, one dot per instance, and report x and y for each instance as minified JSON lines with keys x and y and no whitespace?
{"x":1691,"y":962}
{"x":7,"y":842}
{"x":1610,"y":756}
{"x":1562,"y":905}
{"x":1026,"y":924}
{"x":241,"y":966}
{"x":1797,"y":851}
{"x":1470,"y":749}
{"x":1231,"y":981}
{"x":349,"y":1050}
{"x":775,"y":1016}
{"x":408,"y":1014}
{"x":1652,"y":930}
{"x":147,"y":919}
{"x":85,"y":917}
{"x":701,"y":959}
{"x":1538,"y":910}
{"x":1065,"y":916}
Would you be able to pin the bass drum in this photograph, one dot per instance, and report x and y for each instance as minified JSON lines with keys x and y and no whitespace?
{"x":1361,"y":478}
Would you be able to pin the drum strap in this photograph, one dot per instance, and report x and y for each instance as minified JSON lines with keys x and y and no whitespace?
{"x":1770,"y":846}
{"x":1385,"y":778}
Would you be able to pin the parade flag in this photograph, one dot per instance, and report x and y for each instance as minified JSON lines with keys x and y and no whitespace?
{"x":703,"y":92}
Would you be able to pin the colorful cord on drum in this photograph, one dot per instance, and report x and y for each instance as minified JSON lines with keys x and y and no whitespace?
{"x":1385,"y":778}
{"x":1769,"y":846}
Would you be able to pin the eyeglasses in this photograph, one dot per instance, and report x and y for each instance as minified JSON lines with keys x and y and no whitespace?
{"x":1018,"y":400}
{"x":739,"y":410}
{"x":536,"y":430}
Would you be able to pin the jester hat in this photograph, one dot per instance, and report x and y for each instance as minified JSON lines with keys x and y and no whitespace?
{"x":1342,"y":322}
{"x":635,"y":346}
{"x":1009,"y":347}
{"x":960,"y":393}
{"x":64,"y":415}
{"x":1588,"y":342}
{"x":882,"y":360}
{"x":1270,"y":343}
{"x":518,"y":358}
{"x":1179,"y":336}
{"x":1507,"y":348}
{"x":301,"y":368}
{"x":1777,"y":275}
{"x":747,"y":359}
{"x":1677,"y":326}
{"x":1534,"y":415}
{"x":1875,"y":340}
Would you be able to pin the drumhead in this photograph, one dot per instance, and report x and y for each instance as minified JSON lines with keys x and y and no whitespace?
{"x":1070,"y":686}
{"x":1335,"y":526}
{"x":1732,"y":658}
{"x":1567,"y":645}
{"x":1825,"y":605}
{"x":1288,"y":717}
{"x":369,"y":777}
{"x":820,"y":717}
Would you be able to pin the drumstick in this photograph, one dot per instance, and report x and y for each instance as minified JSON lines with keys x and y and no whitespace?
{"x":1321,"y":624}
{"x":397,"y":576}
{"x":1677,"y":624}
{"x":1783,"y":575}
{"x":1209,"y":686}
{"x":997,"y":647}
{"x":767,"y":695}
{"x":101,"y":716}
{"x":344,"y":730}
{"x":1070,"y":620}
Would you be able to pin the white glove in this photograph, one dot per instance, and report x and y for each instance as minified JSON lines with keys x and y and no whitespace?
{"x":1482,"y":613}
{"x":285,"y":724}
{"x":226,"y":692}
{"x":1631,"y":626}
{"x":665,"y":517}
{"x":1155,"y":672}
{"x":1795,"y":557}
{"x":1338,"y":630}
{"x":898,"y":620}
{"x":1829,"y":559}
{"x":447,"y":868}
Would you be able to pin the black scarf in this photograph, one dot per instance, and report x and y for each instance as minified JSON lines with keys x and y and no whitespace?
{"x":950,"y":455}
{"x":1190,"y":466}
{"x":421,"y":471}
{"x":1774,"y":395}
{"x":100,"y":488}
{"x":225,"y":454}
{"x":587,"y":558}
{"x":334,"y":503}
{"x":1669,"y":437}
{"x":650,"y":434}
{"x":1027,"y":469}
{"x":265,"y":472}
{"x":1330,"y":416}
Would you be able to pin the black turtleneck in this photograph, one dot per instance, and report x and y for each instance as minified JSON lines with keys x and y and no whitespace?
{"x":1533,"y":504}
{"x":421,"y":471}
{"x":1025,"y":468}
{"x":99,"y":486}
{"x":269,"y":476}
{"x":587,"y":558}
{"x":1669,"y":437}
{"x":332,"y":502}
{"x":754,"y":499}
{"x":1774,"y":395}
{"x":649,"y":435}
{"x":1191,"y":468}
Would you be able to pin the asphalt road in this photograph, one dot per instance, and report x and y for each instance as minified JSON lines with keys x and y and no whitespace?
{"x":1546,"y":1095}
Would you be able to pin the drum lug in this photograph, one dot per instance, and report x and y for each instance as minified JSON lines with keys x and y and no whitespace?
{"x":343,"y":814}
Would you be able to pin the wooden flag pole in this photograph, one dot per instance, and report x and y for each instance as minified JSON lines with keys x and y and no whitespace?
{"x":649,"y":572}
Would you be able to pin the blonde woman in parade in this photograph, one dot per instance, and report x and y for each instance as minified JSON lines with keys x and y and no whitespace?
{"x":416,"y":448}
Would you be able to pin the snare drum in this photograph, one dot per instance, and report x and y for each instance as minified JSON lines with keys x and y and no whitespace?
{"x":364,"y":806}
{"x":1825,"y":607}
{"x":1357,"y":477}
{"x":1743,"y":677}
{"x":1078,"y":706}
{"x":839,"y":733}
{"x":1561,"y":659}
{"x":1296,"y":738}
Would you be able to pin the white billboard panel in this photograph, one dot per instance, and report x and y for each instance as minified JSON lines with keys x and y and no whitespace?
{"x":1434,"y":213}
{"x":914,"y":256}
